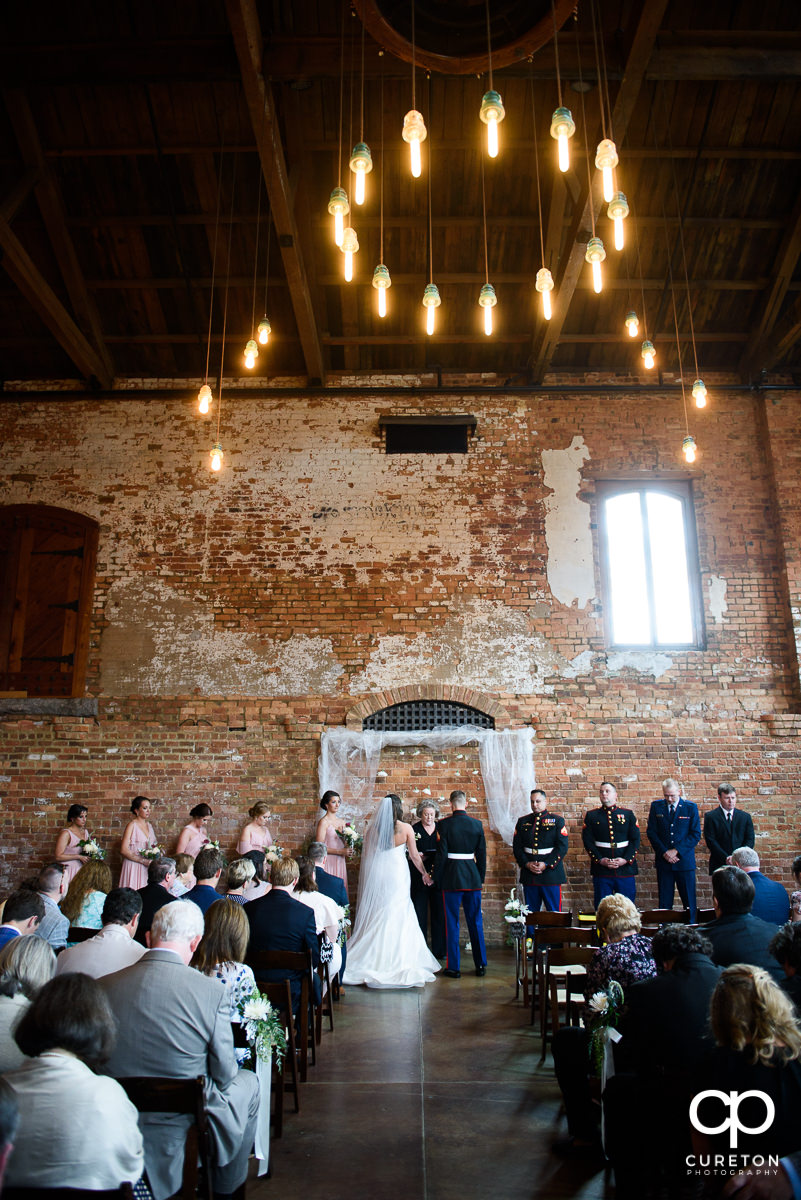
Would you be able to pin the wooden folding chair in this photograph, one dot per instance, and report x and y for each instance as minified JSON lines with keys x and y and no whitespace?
{"x":293,"y":960}
{"x":326,"y":1006}
{"x":665,"y":916}
{"x":705,"y":915}
{"x":528,"y":958}
{"x":280,"y":996}
{"x":556,"y":962}
{"x":185,"y":1097}
{"x":567,"y":992}
{"x":548,"y":938}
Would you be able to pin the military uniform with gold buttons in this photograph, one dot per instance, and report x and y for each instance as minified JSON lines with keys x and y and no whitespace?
{"x":541,"y":837}
{"x":612,"y":833}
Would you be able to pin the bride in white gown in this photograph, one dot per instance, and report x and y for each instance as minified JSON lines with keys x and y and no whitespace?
{"x":387,"y":949}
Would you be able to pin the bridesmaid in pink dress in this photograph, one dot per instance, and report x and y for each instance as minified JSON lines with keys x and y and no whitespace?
{"x":328,"y":828}
{"x":137,"y":837}
{"x":193,"y":837}
{"x":67,"y":844}
{"x":255,"y":835}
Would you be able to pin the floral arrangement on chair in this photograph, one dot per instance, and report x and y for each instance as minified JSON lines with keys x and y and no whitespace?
{"x":91,"y":849}
{"x":344,"y":925}
{"x":606,"y":1007}
{"x":263,"y":1028}
{"x":515,"y":913}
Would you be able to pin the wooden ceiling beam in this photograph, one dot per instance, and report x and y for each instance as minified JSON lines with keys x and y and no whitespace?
{"x":571,"y":262}
{"x":19,"y":194}
{"x":51,"y":208}
{"x":759,"y":351}
{"x":243,"y":20}
{"x":39,"y":294}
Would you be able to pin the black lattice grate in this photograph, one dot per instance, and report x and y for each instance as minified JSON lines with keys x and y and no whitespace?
{"x":427,"y":714}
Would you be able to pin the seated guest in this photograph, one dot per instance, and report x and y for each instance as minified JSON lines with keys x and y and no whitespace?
{"x":77,"y":1129}
{"x":86,"y":895}
{"x":241,"y":880}
{"x":328,"y":884}
{"x":278,"y":921}
{"x":52,"y":886}
{"x":327,"y":914}
{"x":209,"y":866}
{"x":646,"y":1100}
{"x":785,"y":946}
{"x":626,"y":958}
{"x":758,"y":1045}
{"x":221,"y":953}
{"x":176,"y":1022}
{"x":113,"y":948}
{"x":23,"y":912}
{"x":184,"y":875}
{"x":9,"y":1124}
{"x":155,"y":894}
{"x":261,"y":882}
{"x":737,"y":936}
{"x":795,"y":898}
{"x":770,"y":898}
{"x":26,"y":965}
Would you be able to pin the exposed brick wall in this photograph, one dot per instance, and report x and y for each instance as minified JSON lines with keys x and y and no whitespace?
{"x":237,"y":617}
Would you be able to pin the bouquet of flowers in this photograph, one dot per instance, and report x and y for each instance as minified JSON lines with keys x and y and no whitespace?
{"x":344,"y":925}
{"x":151,"y":852}
{"x":514,"y":913}
{"x":353,"y":840}
{"x":264,"y":1029}
{"x":605,"y":1007}
{"x":90,"y":849}
{"x":273,"y":853}
{"x":211,"y":844}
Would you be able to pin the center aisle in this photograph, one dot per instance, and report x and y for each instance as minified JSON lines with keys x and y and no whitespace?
{"x":431,"y":1094}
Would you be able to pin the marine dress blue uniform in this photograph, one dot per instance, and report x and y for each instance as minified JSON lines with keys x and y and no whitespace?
{"x":612,"y":833}
{"x":541,"y":838}
{"x":459,"y":870}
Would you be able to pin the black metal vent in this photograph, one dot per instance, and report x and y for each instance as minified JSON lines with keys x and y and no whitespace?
{"x":427,"y":714}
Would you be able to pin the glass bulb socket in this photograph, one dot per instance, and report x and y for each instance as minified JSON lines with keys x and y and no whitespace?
{"x":487,"y":297}
{"x":544,"y":280}
{"x":251,"y":353}
{"x":338,"y":202}
{"x":648,"y":353}
{"x":381,"y":277}
{"x":562,"y":123}
{"x":431,"y":296}
{"x":689,"y":448}
{"x":350,"y":241}
{"x":606,"y":158}
{"x":264,"y":331}
{"x":492,"y":108}
{"x":361,"y":160}
{"x":618,"y":207}
{"x":216,"y":456}
{"x":414,"y":127}
{"x":632,"y":323}
{"x":595,"y":252}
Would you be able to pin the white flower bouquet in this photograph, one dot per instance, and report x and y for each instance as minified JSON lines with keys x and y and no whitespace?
{"x":351,"y":837}
{"x":344,"y":925}
{"x":605,"y":1008}
{"x":90,"y":849}
{"x":273,"y":853}
{"x":151,"y":852}
{"x":514,"y":910}
{"x":263,"y":1028}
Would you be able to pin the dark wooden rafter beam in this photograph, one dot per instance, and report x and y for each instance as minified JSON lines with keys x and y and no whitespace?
{"x":760,"y":351}
{"x":38,"y":292}
{"x":786,"y":336}
{"x":248,"y":42}
{"x":571,"y":262}
{"x":51,"y":208}
{"x":18,"y":195}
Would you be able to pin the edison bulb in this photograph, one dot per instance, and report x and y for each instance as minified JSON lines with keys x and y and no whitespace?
{"x":431,"y":301}
{"x":430,"y":320}
{"x":563,"y":127}
{"x":699,"y":393}
{"x":204,"y":399}
{"x":689,"y":448}
{"x":648,"y":353}
{"x":216,"y":456}
{"x":264,"y":331}
{"x":544,"y":286}
{"x":632,"y":324}
{"x":414,"y":132}
{"x":487,"y":300}
{"x":251,"y":354}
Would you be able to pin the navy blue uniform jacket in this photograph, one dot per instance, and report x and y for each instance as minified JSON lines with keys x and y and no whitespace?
{"x":686,"y":833}
{"x":611,"y":833}
{"x":460,"y":834}
{"x":540,"y":838}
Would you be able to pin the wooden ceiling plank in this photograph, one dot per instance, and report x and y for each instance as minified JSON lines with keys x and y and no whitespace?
{"x":19,"y":194}
{"x":758,"y":348}
{"x":547,"y":334}
{"x":37,"y":291}
{"x":52,"y":211}
{"x":244,"y":24}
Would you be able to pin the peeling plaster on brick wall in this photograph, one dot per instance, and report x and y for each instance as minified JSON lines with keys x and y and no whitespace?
{"x":567,"y":526}
{"x":644,"y":662}
{"x":159,"y":643}
{"x":717,"y":598}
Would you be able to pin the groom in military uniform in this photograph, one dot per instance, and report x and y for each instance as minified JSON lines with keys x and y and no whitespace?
{"x":539,"y":846}
{"x":459,"y":869}
{"x":611,"y":837}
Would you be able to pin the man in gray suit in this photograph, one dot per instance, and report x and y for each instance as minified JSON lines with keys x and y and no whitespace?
{"x":176,"y":1022}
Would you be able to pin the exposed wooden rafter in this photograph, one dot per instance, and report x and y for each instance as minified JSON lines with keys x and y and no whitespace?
{"x":760,"y":351}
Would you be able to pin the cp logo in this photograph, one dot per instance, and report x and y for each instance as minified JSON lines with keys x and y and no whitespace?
{"x":732,"y":1101}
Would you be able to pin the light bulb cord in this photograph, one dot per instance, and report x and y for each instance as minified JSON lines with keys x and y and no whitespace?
{"x":586,"y":141}
{"x":430,"y":169}
{"x":414,"y":91}
{"x":556,"y":52}
{"x":537,"y":162}
{"x":484,"y":212}
{"x":225,"y":305}
{"x":214,"y":259}
{"x":489,"y":44}
{"x":258,"y":221}
{"x":341,"y":93}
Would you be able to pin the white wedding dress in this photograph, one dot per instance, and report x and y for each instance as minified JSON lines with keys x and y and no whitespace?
{"x":387,"y":949}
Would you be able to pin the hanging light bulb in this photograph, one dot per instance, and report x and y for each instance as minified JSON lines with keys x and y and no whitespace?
{"x":606,"y":160}
{"x":688,"y":448}
{"x":216,"y":456}
{"x":544,"y":286}
{"x":617,"y":211}
{"x":632,"y":323}
{"x":339,"y":207}
{"x":492,"y":113}
{"x":361,"y":163}
{"x":595,"y":255}
{"x":648,"y":353}
{"x":431,"y":301}
{"x":487,"y":300}
{"x":699,"y":393}
{"x":204,"y":399}
{"x":414,"y":132}
{"x":563,"y":127}
{"x":264,"y":331}
{"x":251,"y":354}
{"x":381,"y":283}
{"x":349,"y":247}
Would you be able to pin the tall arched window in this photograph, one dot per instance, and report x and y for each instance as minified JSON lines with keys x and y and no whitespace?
{"x":650,"y":565}
{"x":47,"y":575}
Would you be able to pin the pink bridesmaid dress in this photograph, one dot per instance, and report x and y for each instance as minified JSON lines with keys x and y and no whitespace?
{"x":256,"y":837}
{"x":335,"y":864}
{"x":134,"y":875}
{"x":72,"y":867}
{"x":197,"y":840}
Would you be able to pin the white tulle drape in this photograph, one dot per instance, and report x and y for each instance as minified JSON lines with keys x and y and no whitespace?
{"x":349,"y":761}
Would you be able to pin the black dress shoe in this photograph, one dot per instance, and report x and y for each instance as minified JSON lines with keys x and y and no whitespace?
{"x":481,"y":970}
{"x":452,"y":974}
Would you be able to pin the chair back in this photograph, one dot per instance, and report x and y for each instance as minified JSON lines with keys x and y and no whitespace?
{"x":183,"y":1097}
{"x":665,"y":916}
{"x":543,"y":919}
{"x":292,"y":961}
{"x":705,"y":915}
{"x":78,"y":934}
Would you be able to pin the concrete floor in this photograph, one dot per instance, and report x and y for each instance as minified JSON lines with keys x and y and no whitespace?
{"x":429,"y":1094}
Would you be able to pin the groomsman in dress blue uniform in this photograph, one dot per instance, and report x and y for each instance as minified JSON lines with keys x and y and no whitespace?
{"x":726,"y":827}
{"x":611,"y":837}
{"x":459,"y":870}
{"x":674,"y":830}
{"x":539,"y":846}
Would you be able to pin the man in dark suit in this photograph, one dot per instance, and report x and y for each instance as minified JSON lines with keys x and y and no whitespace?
{"x":280,"y":922}
{"x":155,"y":894}
{"x":539,"y":846}
{"x":459,"y":870}
{"x":674,"y":830}
{"x":726,"y":827}
{"x":331,"y":886}
{"x":736,"y":935}
{"x":209,"y":866}
{"x":771,"y":902}
{"x":611,"y":837}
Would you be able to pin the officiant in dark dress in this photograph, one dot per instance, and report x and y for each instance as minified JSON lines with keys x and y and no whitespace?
{"x":427,"y":901}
